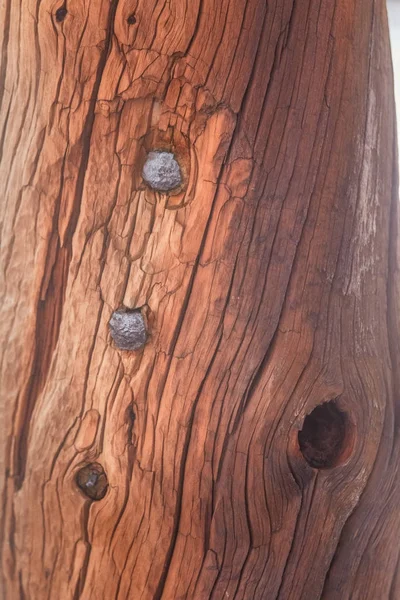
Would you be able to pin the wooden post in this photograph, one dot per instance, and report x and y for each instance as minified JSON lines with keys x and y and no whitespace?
{"x":200,"y":315}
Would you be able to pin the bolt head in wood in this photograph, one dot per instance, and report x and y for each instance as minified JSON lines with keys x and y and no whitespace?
{"x":161,"y":171}
{"x":128,"y":329}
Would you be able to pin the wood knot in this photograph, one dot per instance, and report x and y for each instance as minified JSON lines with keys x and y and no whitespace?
{"x":322,"y":439}
{"x":61,"y":13}
{"x":131,"y":20}
{"x":128,"y":329}
{"x":92,"y":480}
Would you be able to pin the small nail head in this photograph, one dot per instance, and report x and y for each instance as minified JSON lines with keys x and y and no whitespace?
{"x":92,"y":480}
{"x":161,"y":171}
{"x":128,"y":329}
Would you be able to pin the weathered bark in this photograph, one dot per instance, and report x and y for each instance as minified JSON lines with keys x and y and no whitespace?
{"x":269,"y":284}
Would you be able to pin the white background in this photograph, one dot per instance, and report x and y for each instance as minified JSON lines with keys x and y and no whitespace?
{"x":394,"y":24}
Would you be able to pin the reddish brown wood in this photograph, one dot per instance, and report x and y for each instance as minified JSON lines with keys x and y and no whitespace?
{"x":268,"y":282}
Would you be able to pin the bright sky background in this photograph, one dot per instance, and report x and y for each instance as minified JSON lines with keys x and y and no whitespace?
{"x":394,"y":24}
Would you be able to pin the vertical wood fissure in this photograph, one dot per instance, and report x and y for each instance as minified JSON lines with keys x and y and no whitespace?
{"x":50,"y":306}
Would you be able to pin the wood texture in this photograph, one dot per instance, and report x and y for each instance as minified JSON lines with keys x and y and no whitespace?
{"x":270,"y":285}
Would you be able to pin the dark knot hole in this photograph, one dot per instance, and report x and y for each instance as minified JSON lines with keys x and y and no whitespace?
{"x":61,"y":13}
{"x":324,"y":436}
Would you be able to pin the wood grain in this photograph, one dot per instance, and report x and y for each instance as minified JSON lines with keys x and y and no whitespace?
{"x":269,"y":283}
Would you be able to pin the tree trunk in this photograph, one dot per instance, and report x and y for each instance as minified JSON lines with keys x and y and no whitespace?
{"x":200,"y":359}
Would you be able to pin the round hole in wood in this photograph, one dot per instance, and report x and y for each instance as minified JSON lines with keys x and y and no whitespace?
{"x":92,"y":480}
{"x":131,"y":20}
{"x":323,"y":437}
{"x":61,"y":13}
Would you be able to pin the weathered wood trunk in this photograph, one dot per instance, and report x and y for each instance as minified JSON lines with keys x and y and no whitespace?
{"x":268,"y":282}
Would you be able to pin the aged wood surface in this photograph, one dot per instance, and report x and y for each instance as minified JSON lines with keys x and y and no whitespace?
{"x":269,"y":284}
